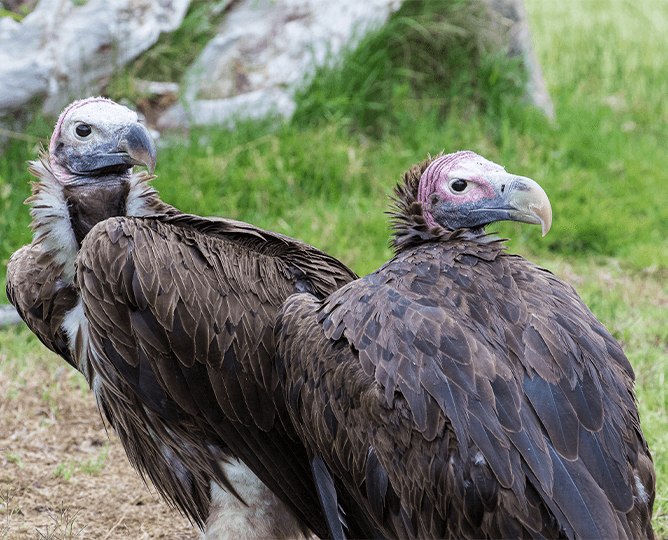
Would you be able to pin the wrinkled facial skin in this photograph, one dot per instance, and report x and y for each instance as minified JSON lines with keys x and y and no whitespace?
{"x":97,"y":137}
{"x":465,"y":190}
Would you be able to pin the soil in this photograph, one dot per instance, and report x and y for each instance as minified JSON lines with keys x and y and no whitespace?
{"x":63,"y":474}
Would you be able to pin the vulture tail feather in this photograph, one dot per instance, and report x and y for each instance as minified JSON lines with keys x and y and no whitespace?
{"x":582,"y":501}
{"x":328,"y":498}
{"x":376,"y":484}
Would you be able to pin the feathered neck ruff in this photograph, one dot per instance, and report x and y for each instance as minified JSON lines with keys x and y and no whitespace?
{"x":408,"y":224}
{"x":51,"y":223}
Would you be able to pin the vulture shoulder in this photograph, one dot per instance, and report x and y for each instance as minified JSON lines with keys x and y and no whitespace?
{"x":181,"y":310}
{"x":462,"y":392}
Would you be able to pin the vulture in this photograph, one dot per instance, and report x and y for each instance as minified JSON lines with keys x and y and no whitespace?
{"x":170,"y":318}
{"x":460,"y":391}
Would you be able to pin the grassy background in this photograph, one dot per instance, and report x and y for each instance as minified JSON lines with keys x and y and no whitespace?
{"x":429,"y":81}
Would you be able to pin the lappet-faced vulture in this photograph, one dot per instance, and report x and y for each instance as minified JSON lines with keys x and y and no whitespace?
{"x":463,"y":392}
{"x":170,"y":317}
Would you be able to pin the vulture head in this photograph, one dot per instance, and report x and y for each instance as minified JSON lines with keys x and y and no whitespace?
{"x":464,"y":190}
{"x":93,"y":150}
{"x":97,"y":140}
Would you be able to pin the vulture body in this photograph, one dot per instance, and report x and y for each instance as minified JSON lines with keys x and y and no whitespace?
{"x":170,"y":318}
{"x":463,"y":392}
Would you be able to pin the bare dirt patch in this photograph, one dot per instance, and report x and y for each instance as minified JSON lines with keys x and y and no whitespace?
{"x":62,"y":474}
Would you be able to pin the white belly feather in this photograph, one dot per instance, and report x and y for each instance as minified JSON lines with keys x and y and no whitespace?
{"x":265,"y":516}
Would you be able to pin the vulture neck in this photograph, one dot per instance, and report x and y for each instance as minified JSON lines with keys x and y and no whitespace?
{"x":410,"y":229}
{"x":89,"y":204}
{"x":64,"y":213}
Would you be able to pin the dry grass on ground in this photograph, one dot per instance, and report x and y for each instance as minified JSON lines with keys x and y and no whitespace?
{"x":62,"y":475}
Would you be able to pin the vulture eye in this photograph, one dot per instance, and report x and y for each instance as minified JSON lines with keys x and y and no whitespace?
{"x":459,"y":186}
{"x":83,"y":130}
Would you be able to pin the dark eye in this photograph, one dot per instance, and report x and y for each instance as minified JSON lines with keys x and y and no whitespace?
{"x":83,"y":130}
{"x":458,"y":185}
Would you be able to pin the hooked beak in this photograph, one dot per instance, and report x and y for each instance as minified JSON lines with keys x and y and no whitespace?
{"x":517,"y":199}
{"x":136,"y":147}
{"x":128,"y":147}
{"x":528,"y":203}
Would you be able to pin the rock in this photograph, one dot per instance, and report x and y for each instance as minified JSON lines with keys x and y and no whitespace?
{"x":266,"y":48}
{"x":9,"y":316}
{"x":224,"y":112}
{"x":263,"y":51}
{"x":61,"y":50}
{"x":156,"y":88}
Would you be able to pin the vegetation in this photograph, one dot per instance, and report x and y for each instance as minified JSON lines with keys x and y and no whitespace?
{"x":91,"y":466}
{"x":63,"y":526}
{"x":428,"y":82}
{"x":169,"y":58}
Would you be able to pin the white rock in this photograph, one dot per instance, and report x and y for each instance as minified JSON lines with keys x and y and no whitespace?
{"x":8,"y":316}
{"x":225,"y":112}
{"x":264,"y":49}
{"x":62,"y":51}
{"x":157,"y":88}
{"x":9,"y":28}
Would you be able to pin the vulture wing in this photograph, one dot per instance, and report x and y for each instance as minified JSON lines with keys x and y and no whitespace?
{"x":41,"y":301}
{"x":462,"y":392}
{"x":181,"y":311}
{"x":46,"y":304}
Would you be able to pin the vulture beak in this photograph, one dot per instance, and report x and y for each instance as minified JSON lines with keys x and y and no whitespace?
{"x":129,"y":146}
{"x":528,"y":203}
{"x":136,"y":147}
{"x":517,"y":199}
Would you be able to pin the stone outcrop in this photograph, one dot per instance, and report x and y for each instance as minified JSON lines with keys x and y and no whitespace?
{"x":63,"y":50}
{"x":263,"y":50}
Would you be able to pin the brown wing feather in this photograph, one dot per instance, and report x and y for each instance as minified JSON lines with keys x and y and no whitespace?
{"x":41,"y":301}
{"x":182,"y":311}
{"x":488,"y":393}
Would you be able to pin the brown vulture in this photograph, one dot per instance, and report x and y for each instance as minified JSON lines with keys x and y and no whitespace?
{"x":461,"y":391}
{"x":170,"y":317}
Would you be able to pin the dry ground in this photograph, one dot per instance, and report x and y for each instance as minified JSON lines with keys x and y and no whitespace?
{"x":62,"y":475}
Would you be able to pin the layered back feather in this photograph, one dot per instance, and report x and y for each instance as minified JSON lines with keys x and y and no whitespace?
{"x":170,"y":318}
{"x":463,"y":392}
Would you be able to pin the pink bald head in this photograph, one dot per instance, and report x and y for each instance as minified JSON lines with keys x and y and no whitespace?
{"x":71,"y":108}
{"x":464,"y":165}
{"x":96,"y":133}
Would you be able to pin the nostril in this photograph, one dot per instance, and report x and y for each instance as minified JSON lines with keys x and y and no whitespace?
{"x":503,"y":187}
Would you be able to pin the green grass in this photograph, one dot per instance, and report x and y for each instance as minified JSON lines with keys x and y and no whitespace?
{"x":425,"y":83}
{"x":605,"y":69}
{"x":91,"y":466}
{"x":431,"y":59}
